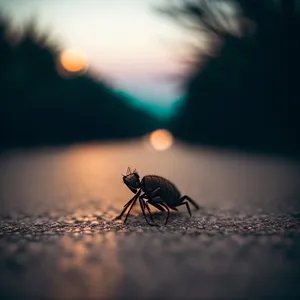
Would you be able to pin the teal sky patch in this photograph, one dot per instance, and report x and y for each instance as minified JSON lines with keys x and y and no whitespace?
{"x":161,"y":110}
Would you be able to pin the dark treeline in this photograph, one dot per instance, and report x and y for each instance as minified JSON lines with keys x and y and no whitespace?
{"x":247,"y":95}
{"x":39,"y":106}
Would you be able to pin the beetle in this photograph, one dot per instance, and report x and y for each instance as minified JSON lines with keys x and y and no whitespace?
{"x":156,"y":191}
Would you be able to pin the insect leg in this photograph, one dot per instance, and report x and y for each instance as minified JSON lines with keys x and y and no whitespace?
{"x":173,"y":207}
{"x":128,"y":203}
{"x":190,"y":200}
{"x":167,"y":208}
{"x":144,"y":196}
{"x":142,"y":203}
{"x":132,"y":204}
{"x":149,"y":211}
{"x":125,"y":208}
{"x":158,"y":206}
{"x":187,"y":206}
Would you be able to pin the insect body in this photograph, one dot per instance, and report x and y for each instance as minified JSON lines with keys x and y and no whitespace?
{"x":156,"y":191}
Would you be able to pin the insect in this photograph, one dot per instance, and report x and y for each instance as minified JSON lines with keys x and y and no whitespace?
{"x":156,"y":191}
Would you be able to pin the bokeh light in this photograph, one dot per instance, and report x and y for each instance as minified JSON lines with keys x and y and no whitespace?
{"x":161,"y":139}
{"x":73,"y":60}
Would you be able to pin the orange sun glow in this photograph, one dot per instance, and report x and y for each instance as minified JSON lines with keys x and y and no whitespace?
{"x":73,"y":60}
{"x":161,"y":139}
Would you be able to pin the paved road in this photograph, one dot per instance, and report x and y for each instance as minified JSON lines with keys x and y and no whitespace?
{"x":57,"y":239}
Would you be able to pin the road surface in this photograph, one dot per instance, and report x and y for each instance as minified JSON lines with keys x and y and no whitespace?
{"x":58,"y":240}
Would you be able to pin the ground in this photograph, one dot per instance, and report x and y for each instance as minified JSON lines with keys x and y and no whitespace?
{"x":58,"y":239}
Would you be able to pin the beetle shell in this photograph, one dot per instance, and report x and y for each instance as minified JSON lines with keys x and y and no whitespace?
{"x":168,"y":191}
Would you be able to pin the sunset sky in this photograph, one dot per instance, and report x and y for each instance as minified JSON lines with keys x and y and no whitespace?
{"x":124,"y":40}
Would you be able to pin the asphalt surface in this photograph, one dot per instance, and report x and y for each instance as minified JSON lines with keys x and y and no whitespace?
{"x":58,"y":239}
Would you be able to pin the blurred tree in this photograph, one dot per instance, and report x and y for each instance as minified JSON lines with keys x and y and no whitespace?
{"x":238,"y":94}
{"x":39,"y":106}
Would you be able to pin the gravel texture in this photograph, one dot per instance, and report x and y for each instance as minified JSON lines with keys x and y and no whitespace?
{"x":58,"y":239}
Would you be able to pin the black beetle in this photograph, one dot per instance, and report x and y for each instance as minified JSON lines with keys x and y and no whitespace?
{"x":158,"y":191}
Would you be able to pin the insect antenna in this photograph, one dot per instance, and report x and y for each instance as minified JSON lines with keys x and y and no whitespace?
{"x":128,"y":171}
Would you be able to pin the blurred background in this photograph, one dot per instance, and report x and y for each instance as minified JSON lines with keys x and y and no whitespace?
{"x":220,"y":73}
